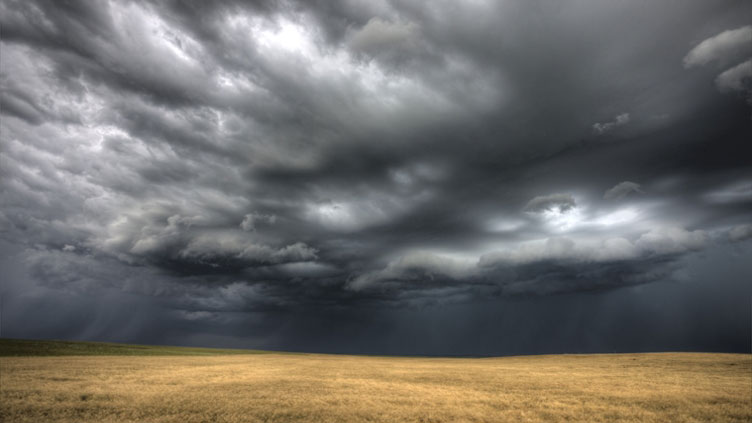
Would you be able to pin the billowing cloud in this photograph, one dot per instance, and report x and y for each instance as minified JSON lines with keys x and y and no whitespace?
{"x":250,"y":220}
{"x":727,"y":45}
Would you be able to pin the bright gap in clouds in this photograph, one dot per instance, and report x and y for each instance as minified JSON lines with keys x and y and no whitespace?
{"x":287,"y":36}
{"x":564,"y":220}
{"x":619,"y":217}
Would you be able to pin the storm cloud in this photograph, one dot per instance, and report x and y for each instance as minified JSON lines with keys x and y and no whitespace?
{"x":242,"y":168}
{"x":621,"y":190}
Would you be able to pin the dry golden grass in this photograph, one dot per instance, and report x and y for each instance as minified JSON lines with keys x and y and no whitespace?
{"x":329,"y":388}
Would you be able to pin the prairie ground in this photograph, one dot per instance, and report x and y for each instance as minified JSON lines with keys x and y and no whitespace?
{"x":662,"y":387}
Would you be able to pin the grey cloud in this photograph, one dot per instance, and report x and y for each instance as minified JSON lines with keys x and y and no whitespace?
{"x":192,"y":239}
{"x":621,"y":190}
{"x":671,"y":240}
{"x":722,"y":48}
{"x":740,"y":232}
{"x":557,"y":264}
{"x":738,"y":192}
{"x":212,"y":248}
{"x":561,"y":202}
{"x":658,"y":241}
{"x":602,"y":128}
{"x":417,"y":267}
{"x":250,"y":220}
{"x":379,"y":37}
{"x":738,"y":78}
{"x":726,"y":49}
{"x":564,"y":265}
{"x":240,"y":165}
{"x":565,"y":250}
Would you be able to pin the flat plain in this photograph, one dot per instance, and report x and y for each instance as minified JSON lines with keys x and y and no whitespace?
{"x":206,"y":386}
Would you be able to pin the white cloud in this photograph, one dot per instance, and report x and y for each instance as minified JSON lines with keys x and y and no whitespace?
{"x":559,"y":212}
{"x":617,"y":217}
{"x":727,"y":48}
{"x":502,"y":224}
{"x":721,"y":47}
{"x":738,"y":78}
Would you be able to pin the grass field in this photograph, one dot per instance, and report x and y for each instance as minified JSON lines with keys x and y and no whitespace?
{"x":683,"y":387}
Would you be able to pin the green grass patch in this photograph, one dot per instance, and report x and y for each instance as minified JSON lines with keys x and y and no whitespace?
{"x":29,"y":347}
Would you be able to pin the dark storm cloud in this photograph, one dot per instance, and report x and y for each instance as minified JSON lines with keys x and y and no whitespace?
{"x":233,"y":158}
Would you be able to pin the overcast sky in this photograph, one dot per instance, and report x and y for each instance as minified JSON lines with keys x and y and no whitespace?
{"x":404,"y":177}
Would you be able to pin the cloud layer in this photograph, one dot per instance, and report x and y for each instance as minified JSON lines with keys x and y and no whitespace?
{"x":235,"y":158}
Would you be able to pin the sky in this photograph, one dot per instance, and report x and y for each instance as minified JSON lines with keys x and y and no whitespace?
{"x":381,"y":177}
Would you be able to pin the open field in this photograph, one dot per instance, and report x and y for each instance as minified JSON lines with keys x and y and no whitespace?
{"x":661,"y":387}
